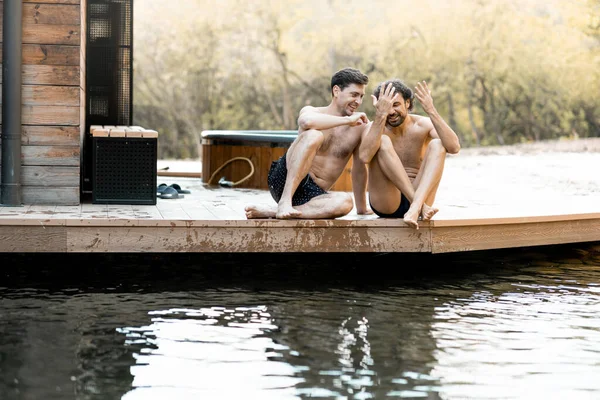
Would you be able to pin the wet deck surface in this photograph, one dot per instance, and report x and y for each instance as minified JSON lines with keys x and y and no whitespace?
{"x":486,"y":201}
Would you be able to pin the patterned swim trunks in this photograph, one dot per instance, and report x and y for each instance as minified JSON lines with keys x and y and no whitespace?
{"x":307,"y":189}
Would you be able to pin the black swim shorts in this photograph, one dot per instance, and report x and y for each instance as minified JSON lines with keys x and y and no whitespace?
{"x":399,"y":213}
{"x":307,"y":189}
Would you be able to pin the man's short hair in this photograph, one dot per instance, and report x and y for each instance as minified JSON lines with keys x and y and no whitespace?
{"x":400,"y":87}
{"x":347,"y":76}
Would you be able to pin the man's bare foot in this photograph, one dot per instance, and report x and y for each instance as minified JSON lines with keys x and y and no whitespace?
{"x":286,"y":211}
{"x":260,"y":211}
{"x":411,"y":217}
{"x":427,"y":212}
{"x":368,"y":211}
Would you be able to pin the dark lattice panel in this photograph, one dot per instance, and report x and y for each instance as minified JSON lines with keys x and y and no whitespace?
{"x":124,"y":170}
{"x":109,"y":70}
{"x":109,"y":62}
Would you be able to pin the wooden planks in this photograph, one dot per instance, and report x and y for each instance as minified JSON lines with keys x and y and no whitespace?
{"x":44,"y":195}
{"x":475,"y":214}
{"x":42,"y":95}
{"x":50,"y":176}
{"x":485,"y":234}
{"x":44,"y":54}
{"x":50,"y":75}
{"x":122,"y":131}
{"x":50,"y":23}
{"x":49,"y":115}
{"x":124,"y":231}
{"x":247,"y":239}
{"x":23,"y":239}
{"x":52,"y":101}
{"x":53,"y":1}
{"x":50,"y":155}
{"x":50,"y":135}
{"x":212,"y":220}
{"x":46,"y":13}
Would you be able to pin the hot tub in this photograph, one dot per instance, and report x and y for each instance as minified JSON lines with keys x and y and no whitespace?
{"x":231,"y":152}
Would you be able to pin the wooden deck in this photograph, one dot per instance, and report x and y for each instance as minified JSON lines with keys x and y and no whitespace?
{"x":486,"y":202}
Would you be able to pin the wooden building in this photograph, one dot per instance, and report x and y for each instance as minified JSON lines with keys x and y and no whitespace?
{"x":71,"y":78}
{"x":52,"y":101}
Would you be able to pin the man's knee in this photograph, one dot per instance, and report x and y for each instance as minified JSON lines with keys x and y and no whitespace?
{"x":312,"y":138}
{"x":386,"y":144}
{"x":346,"y":203}
{"x":436,"y":147}
{"x":385,"y":148}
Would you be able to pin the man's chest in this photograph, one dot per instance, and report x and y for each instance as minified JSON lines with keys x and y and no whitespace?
{"x":409,"y":148}
{"x":340,"y":143}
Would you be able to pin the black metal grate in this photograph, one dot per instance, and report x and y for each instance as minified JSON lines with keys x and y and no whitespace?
{"x":124,"y":170}
{"x":109,"y":71}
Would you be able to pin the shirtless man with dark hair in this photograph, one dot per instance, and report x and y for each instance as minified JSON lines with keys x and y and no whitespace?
{"x":327,"y":137}
{"x":405,"y":152}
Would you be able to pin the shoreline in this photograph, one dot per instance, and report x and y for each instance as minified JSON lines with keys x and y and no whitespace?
{"x":587,"y":145}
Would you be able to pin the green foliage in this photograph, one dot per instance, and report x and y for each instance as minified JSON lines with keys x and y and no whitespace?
{"x":501,"y":72}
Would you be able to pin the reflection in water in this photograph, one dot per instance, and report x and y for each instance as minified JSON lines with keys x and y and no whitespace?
{"x":497,"y":325}
{"x":215,"y":352}
{"x":358,"y":344}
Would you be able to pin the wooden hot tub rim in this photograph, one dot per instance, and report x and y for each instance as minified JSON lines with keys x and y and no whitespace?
{"x":249,"y":137}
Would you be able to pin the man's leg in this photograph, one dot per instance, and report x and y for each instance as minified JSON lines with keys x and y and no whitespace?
{"x":392,"y":168}
{"x":299,"y":160}
{"x":427,"y":182}
{"x":384,"y":196}
{"x":387,"y":161}
{"x":329,"y":205}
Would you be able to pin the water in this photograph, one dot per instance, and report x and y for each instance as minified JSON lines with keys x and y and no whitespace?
{"x":509,"y":324}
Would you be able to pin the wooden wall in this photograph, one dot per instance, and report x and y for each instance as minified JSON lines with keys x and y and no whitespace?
{"x":52,"y":97}
{"x":217,"y":155}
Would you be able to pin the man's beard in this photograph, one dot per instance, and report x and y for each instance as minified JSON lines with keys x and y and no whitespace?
{"x":397,"y":122}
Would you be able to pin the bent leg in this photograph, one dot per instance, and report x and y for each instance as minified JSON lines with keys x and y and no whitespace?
{"x":384,"y":196}
{"x":299,"y":160}
{"x":427,"y":182}
{"x":392,"y":168}
{"x":389,"y":169}
{"x":329,"y":205}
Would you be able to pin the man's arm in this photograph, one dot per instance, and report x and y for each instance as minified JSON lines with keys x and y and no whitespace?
{"x":360,"y":175}
{"x":371,"y":139}
{"x":311,"y":118}
{"x":440,"y":128}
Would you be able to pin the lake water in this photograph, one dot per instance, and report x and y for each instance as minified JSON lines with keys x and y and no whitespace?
{"x":506,"y":324}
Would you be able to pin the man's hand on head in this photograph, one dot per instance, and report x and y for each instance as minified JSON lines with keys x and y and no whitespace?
{"x":385,"y":102}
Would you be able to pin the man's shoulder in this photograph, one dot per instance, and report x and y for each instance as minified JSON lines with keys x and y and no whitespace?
{"x":320,"y":110}
{"x":417,"y":118}
{"x":421,"y":121}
